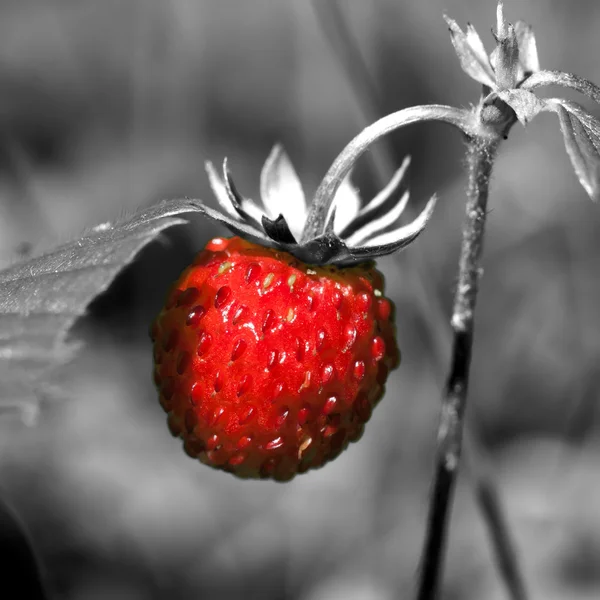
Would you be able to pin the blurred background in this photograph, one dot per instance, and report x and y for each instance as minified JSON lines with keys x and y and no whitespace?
{"x":108,"y":106}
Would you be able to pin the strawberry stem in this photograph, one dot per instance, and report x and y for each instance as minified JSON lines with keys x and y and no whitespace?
{"x":480,"y":157}
{"x":325,"y":194}
{"x":382,"y":159}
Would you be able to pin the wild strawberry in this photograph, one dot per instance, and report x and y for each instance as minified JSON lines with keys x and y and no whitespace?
{"x":268,"y":364}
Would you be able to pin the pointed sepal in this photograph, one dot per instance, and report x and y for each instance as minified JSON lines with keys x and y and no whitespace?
{"x":349,"y":235}
{"x":347,"y":202}
{"x":528,"y":55}
{"x":471,"y":53}
{"x":281,"y":190}
{"x":278,"y":230}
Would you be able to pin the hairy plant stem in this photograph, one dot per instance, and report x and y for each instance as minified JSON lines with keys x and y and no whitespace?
{"x":382,"y":158}
{"x":480,"y":470}
{"x":324,"y":196}
{"x":480,"y":156}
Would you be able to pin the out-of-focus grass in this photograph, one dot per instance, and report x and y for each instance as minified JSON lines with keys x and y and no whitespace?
{"x":108,"y":106}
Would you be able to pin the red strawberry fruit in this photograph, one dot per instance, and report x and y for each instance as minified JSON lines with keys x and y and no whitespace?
{"x":267,"y":364}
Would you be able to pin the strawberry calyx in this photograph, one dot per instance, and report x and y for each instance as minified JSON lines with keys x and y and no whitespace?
{"x":352,"y":232}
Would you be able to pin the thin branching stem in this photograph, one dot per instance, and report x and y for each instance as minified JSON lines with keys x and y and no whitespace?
{"x":382,"y":159}
{"x":480,"y":157}
{"x":485,"y":489}
{"x":325,"y":194}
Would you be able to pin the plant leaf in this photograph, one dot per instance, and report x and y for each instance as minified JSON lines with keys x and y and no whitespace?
{"x":471,"y":53}
{"x":42,"y":297}
{"x":581,"y":133}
